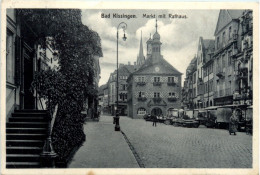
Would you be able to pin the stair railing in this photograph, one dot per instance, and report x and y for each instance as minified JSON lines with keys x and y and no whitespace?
{"x":48,"y":154}
{"x":10,"y":94}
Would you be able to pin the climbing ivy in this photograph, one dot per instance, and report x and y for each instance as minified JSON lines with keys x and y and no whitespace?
{"x":73,"y":83}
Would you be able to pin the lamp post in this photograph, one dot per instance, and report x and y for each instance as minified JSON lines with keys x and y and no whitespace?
{"x":123,"y":25}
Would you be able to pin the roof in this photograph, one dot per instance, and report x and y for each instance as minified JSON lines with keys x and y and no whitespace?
{"x":225,"y":17}
{"x":235,"y":13}
{"x":130,"y":68}
{"x":208,"y":47}
{"x":149,"y":63}
{"x":208,"y":43}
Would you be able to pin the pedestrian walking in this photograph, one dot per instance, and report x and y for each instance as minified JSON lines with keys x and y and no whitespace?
{"x":154,"y":120}
{"x":233,"y":123}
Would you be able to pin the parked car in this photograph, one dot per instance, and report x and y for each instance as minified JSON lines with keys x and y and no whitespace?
{"x":200,"y":115}
{"x":147,"y":117}
{"x":189,"y":122}
{"x":171,"y":116}
{"x":161,"y":119}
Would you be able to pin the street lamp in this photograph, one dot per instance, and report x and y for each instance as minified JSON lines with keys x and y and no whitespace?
{"x":123,"y":25}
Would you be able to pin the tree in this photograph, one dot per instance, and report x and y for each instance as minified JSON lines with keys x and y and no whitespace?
{"x":69,"y":87}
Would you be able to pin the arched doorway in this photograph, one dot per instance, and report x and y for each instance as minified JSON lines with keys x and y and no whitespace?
{"x":156,"y":111}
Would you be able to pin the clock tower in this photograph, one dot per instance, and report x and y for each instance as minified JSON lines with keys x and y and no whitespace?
{"x":149,"y":46}
{"x":154,"y":46}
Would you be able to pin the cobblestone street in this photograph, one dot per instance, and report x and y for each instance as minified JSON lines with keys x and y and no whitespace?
{"x":166,"y":146}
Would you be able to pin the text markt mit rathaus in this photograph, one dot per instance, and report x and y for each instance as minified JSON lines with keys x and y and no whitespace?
{"x":127,"y":16}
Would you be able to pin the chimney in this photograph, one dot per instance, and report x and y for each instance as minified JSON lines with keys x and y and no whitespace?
{"x":121,"y":65}
{"x":135,"y":63}
{"x":129,"y":63}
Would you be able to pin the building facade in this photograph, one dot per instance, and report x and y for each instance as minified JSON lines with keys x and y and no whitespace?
{"x":21,"y":64}
{"x":244,"y":61}
{"x":227,"y":45}
{"x":226,"y":64}
{"x":155,"y":88}
{"x":124,"y":71}
{"x":189,"y":91}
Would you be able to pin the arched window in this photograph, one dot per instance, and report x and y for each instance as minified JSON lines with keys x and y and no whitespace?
{"x":141,"y":111}
{"x":210,"y":102}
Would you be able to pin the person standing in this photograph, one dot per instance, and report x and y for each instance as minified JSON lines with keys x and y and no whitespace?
{"x":154,"y":120}
{"x":233,"y":123}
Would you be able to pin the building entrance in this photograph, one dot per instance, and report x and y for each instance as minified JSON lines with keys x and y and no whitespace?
{"x":156,"y":111}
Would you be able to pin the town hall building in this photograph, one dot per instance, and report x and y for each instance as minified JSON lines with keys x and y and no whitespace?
{"x":155,"y":88}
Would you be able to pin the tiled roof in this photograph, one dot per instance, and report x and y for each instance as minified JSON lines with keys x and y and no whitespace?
{"x":234,"y":14}
{"x":149,"y":62}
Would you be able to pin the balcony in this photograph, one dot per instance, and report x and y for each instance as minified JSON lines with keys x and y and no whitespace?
{"x":172,"y":99}
{"x":141,"y":83}
{"x":157,"y":83}
{"x":141,"y":98}
{"x":157,"y":99}
{"x":220,"y":74}
{"x":171,"y":83}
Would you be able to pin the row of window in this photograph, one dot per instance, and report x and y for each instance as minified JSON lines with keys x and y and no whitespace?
{"x":222,"y":63}
{"x":208,"y":70}
{"x":158,"y":79}
{"x":158,"y":95}
{"x":113,"y":77}
{"x":123,"y":96}
{"x":223,"y":38}
{"x":208,"y":87}
{"x":123,"y":77}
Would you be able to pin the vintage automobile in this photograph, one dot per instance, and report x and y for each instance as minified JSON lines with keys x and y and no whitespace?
{"x":189,"y":120}
{"x":147,"y":117}
{"x":161,"y":119}
{"x":171,"y":116}
{"x":177,"y":119}
{"x":200,"y":115}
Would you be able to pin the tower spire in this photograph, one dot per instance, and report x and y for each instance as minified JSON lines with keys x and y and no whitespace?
{"x":156,"y":24}
{"x":140,"y":57}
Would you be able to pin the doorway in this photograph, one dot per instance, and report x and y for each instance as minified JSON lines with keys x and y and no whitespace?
{"x":28,"y":101}
{"x":156,"y":112}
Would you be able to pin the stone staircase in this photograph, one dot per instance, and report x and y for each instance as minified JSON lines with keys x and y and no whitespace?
{"x":25,"y":134}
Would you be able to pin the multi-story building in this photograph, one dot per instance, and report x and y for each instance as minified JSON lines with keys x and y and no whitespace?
{"x":101,"y":96}
{"x":20,"y":64}
{"x":105,"y":100}
{"x":124,"y":71}
{"x":155,"y":88}
{"x":207,"y":70}
{"x":188,"y":89}
{"x":226,"y":63}
{"x":226,"y":47}
{"x":244,"y":61}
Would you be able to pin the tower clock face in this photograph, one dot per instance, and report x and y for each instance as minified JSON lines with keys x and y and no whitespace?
{"x":149,"y":49}
{"x":157,"y":69}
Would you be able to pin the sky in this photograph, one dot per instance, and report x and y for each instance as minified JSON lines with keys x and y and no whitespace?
{"x":179,"y":37}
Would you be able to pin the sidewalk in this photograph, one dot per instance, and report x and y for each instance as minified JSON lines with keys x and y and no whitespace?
{"x":103,"y":148}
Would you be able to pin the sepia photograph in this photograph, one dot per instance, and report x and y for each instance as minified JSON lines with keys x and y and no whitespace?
{"x":132,"y":88}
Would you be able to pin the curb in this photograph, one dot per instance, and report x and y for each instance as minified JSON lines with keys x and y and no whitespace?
{"x":137,"y":158}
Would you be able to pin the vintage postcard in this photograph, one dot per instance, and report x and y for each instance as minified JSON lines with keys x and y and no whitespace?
{"x":129,"y":88}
